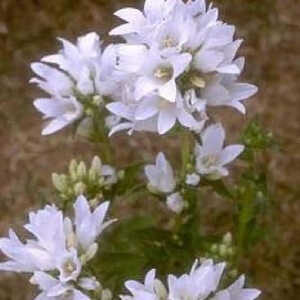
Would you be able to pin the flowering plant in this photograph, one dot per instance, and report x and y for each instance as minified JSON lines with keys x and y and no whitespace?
{"x":178,"y":63}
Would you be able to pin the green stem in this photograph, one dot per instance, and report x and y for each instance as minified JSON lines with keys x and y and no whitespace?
{"x":185,"y":153}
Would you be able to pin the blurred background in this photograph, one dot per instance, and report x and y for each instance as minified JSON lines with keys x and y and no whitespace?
{"x":271,"y":29}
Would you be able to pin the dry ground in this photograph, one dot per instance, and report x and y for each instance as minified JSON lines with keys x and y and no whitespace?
{"x":271,"y":29}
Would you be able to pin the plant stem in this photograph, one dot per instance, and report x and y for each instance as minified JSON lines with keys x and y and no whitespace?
{"x":185,"y":153}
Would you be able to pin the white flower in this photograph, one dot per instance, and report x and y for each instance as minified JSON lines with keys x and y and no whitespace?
{"x":152,"y":113}
{"x":167,"y":113}
{"x":192,"y":179}
{"x":69,"y":266}
{"x":59,"y":247}
{"x":78,"y":74}
{"x":197,"y":108}
{"x":61,"y":112}
{"x":225,"y":90}
{"x":175,"y":46}
{"x":154,"y":73}
{"x":89,"y":225}
{"x":53,"y":289}
{"x":47,"y":226}
{"x":40,"y":254}
{"x":161,"y":176}
{"x":125,"y":109}
{"x":152,"y":289}
{"x":199,"y":284}
{"x":211,"y":156}
{"x":27,"y":257}
{"x":175,"y":203}
{"x":237,"y":292}
{"x":140,"y":26}
{"x":51,"y":80}
{"x":84,"y":62}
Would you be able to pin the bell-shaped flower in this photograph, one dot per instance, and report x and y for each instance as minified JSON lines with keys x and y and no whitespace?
{"x":47,"y":227}
{"x":53,"y":289}
{"x":167,"y":112}
{"x":51,"y":80}
{"x":199,"y":284}
{"x":237,"y":292}
{"x":79,"y":63}
{"x":140,"y":26}
{"x":161,"y":177}
{"x":89,"y":225}
{"x":211,"y":156}
{"x":26,"y":258}
{"x":125,"y":109}
{"x":61,"y":112}
{"x":224,"y":90}
{"x":151,"y":289}
{"x":154,"y":73}
{"x":69,"y":265}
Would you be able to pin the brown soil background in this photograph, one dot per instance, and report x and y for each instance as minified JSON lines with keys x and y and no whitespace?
{"x":271,"y":29}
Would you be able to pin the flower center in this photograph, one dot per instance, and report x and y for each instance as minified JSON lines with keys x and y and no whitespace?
{"x":69,"y":267}
{"x":169,"y":42}
{"x":163,"y":73}
{"x":210,"y":160}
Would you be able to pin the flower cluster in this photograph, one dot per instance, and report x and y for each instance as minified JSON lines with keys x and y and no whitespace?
{"x":60,"y":251}
{"x":76,"y":81}
{"x":201,"y":283}
{"x":179,"y":58}
{"x":92,"y":182}
{"x":224,"y":250}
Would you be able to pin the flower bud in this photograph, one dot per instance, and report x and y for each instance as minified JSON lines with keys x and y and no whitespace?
{"x":90,"y":284}
{"x":214,"y":248}
{"x":106,"y":295}
{"x":192,"y":179}
{"x":91,"y":252}
{"x":81,"y":170}
{"x":227,"y":239}
{"x":121,"y":174}
{"x":175,"y":203}
{"x":73,"y":169}
{"x":223,"y":250}
{"x":97,"y":100}
{"x":59,"y":182}
{"x":79,"y":188}
{"x":96,"y":165}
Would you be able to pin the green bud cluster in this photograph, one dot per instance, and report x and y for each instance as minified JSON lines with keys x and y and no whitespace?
{"x":92,"y":182}
{"x":224,"y":251}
